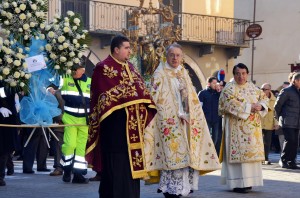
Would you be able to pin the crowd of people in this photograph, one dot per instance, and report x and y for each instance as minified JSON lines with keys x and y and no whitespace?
{"x":167,"y":134}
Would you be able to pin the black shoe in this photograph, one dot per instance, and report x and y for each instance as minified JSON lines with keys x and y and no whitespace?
{"x":28,"y":171}
{"x":240,"y":190}
{"x":66,"y":176}
{"x":293,"y":166}
{"x":2,"y":182}
{"x":43,"y":170}
{"x":79,"y":179}
{"x":10,"y":172}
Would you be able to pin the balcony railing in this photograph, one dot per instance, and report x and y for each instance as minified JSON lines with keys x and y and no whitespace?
{"x":104,"y":17}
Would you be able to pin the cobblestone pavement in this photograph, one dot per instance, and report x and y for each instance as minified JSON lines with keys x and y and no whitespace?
{"x":278,"y":182}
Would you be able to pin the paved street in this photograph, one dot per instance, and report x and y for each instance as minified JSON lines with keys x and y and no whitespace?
{"x":278,"y":182}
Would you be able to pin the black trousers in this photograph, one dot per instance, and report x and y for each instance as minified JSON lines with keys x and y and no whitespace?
{"x":57,"y":151}
{"x":36,"y":148}
{"x":290,"y":146}
{"x":3,"y":161}
{"x":267,"y":135}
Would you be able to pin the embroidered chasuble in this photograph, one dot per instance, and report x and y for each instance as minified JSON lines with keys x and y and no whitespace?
{"x":118,"y":85}
{"x":243,"y":126}
{"x":170,"y":143}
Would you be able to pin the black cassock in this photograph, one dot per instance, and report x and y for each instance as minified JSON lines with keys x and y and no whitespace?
{"x":116,"y":179}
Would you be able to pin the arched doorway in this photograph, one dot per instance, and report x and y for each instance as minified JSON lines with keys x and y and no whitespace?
{"x":91,"y":61}
{"x":195,"y":72}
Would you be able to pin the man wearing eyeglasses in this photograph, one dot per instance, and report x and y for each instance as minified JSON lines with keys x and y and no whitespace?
{"x":269,"y":123}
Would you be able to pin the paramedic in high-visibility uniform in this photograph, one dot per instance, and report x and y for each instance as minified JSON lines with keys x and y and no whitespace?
{"x":75,"y":90}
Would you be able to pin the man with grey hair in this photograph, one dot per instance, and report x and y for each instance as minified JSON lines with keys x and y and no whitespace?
{"x":180,"y":140}
{"x":269,"y":123}
{"x":287,"y":112}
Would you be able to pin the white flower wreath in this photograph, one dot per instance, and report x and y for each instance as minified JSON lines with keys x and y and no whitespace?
{"x":13,"y":69}
{"x":65,"y":42}
{"x":23,"y":18}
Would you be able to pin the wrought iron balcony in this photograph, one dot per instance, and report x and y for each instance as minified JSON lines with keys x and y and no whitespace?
{"x":109,"y":18}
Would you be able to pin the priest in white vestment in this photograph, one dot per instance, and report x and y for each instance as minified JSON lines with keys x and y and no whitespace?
{"x":243,"y":105}
{"x":178,"y":143}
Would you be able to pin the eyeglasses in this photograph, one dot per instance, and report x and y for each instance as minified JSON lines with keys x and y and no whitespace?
{"x":175,"y":55}
{"x":264,"y":89}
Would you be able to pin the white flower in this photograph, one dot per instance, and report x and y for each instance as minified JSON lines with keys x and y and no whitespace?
{"x":77,"y":45}
{"x":70,"y":13}
{"x":22,"y":84}
{"x":14,"y":4}
{"x":22,"y":16}
{"x":48,"y":47}
{"x":83,"y":36}
{"x":85,"y":31}
{"x":19,"y":55}
{"x":48,"y":27}
{"x":75,"y":41}
{"x":56,"y":27}
{"x":9,"y":15}
{"x":25,"y":26}
{"x":23,"y":6}
{"x":67,"y":24}
{"x":38,"y":14}
{"x":61,"y":39}
{"x":63,"y":59}
{"x":20,"y":50}
{"x":54,"y":20}
{"x":76,"y":60}
{"x":20,"y":30}
{"x":5,"y":71}
{"x":79,"y":55}
{"x":24,"y":65}
{"x":74,"y":27}
{"x":53,"y":41}
{"x":41,"y":48}
{"x":66,"y":29}
{"x":61,"y":47}
{"x":52,"y":56}
{"x":42,"y":26}
{"x":71,"y":54}
{"x":66,"y":45}
{"x":5,"y":5}
{"x":46,"y":59}
{"x":17,"y":10}
{"x":27,"y":76}
{"x":32,"y":24}
{"x":33,"y":6}
{"x":29,"y":15}
{"x":1,"y":78}
{"x":42,"y":36}
{"x":26,"y":37}
{"x":51,"y":34}
{"x":12,"y":83}
{"x":69,"y":63}
{"x":56,"y":16}
{"x":6,"y":42}
{"x":78,"y":36}
{"x":84,"y":46}
{"x":69,"y":71}
{"x":17,"y":63}
{"x":7,"y":51}
{"x":22,"y":74}
{"x":76,"y":21}
{"x":56,"y":67}
{"x":6,"y":22}
{"x":9,"y":60}
{"x":17,"y":74}
{"x":66,"y":19}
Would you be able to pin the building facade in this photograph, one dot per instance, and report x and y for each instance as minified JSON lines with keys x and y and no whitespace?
{"x":211,"y":36}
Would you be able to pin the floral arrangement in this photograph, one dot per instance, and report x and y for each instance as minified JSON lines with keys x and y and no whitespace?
{"x":23,"y":19}
{"x":66,"y":42}
{"x":13,"y":70}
